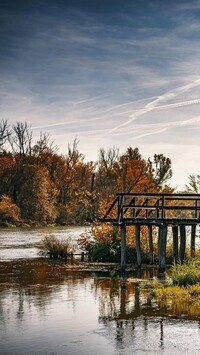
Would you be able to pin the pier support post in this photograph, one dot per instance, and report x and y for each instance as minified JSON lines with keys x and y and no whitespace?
{"x":82,"y":256}
{"x":175,"y":243}
{"x":192,"y":244}
{"x":162,"y":241}
{"x":137,"y":244}
{"x":182,"y":242}
{"x":123,"y":246}
{"x":150,"y":238}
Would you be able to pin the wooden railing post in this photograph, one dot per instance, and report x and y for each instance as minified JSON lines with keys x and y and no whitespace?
{"x":163,"y":202}
{"x":120,"y":208}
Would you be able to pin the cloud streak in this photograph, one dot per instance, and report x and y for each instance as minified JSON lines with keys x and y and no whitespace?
{"x":154,"y":105}
{"x":103,"y":72}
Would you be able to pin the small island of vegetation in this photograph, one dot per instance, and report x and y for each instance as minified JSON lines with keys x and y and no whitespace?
{"x":180,"y":290}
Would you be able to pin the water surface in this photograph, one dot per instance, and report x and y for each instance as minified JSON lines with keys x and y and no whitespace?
{"x":46,"y":308}
{"x":19,"y":243}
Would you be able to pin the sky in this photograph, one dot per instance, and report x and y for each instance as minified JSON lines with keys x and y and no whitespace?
{"x":114,"y":73}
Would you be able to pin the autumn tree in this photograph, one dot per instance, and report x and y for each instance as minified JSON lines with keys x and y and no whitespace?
{"x":77,"y":186}
{"x":9,"y":212}
{"x":64,"y":188}
{"x":134,"y":173}
{"x":7,"y":171}
{"x":33,"y":195}
{"x":44,"y":149}
{"x":127,"y":172}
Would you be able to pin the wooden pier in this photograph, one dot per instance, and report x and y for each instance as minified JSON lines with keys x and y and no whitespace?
{"x":160,"y":211}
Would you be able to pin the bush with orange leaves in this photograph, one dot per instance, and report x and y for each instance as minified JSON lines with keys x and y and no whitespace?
{"x":9,"y":212}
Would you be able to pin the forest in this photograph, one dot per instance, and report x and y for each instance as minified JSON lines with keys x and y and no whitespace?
{"x":40,"y":187}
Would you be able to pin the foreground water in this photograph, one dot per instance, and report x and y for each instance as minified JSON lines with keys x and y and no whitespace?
{"x":46,"y":308}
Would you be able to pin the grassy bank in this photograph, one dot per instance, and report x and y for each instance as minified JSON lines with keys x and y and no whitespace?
{"x":180,"y":291}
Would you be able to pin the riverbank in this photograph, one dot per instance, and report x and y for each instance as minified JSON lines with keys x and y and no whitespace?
{"x":180,"y":291}
{"x":34,"y":224}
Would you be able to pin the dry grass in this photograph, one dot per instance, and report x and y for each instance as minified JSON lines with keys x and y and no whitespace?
{"x":56,"y":248}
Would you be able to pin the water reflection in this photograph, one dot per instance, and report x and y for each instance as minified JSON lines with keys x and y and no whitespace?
{"x":138,"y":323}
{"x":46,"y":308}
{"x":127,"y":309}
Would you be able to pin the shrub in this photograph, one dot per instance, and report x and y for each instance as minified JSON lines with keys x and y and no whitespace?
{"x":186,"y":274}
{"x":106,"y":252}
{"x":9,"y":212}
{"x":55,"y":248}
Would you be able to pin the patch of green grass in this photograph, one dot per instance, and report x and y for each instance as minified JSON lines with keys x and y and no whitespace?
{"x":187,"y":273}
{"x":181,"y":291}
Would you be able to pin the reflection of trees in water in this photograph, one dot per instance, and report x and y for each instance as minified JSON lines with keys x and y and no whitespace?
{"x":27,"y":285}
{"x":129,"y":313}
{"x":126,"y":312}
{"x":33,"y":283}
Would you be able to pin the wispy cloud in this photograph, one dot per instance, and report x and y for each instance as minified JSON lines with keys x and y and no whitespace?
{"x":102,"y":74}
{"x":154,"y":105}
{"x":163,"y":127}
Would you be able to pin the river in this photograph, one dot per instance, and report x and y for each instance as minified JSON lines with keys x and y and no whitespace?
{"x":46,"y":308}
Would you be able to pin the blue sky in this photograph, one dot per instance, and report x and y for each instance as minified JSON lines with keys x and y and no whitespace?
{"x":109,"y":73}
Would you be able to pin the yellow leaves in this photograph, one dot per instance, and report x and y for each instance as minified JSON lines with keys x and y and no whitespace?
{"x":103,"y":233}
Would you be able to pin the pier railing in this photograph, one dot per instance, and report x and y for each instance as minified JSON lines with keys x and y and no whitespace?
{"x":133,"y":208}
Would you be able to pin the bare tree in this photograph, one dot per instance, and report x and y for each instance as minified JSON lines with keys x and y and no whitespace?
{"x":4,"y":132}
{"x":44,"y":147}
{"x":109,"y":157}
{"x":73,"y":156}
{"x":21,"y":139}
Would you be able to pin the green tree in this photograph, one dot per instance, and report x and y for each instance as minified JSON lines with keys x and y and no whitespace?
{"x":193,"y":185}
{"x":161,"y":169}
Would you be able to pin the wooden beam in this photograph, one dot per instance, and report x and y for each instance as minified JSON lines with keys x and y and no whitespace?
{"x":151,"y":195}
{"x":110,"y":208}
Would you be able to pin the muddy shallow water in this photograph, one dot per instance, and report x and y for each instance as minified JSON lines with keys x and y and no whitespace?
{"x":46,"y":308}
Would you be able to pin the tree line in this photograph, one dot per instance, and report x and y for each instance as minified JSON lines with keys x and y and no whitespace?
{"x":40,"y":186}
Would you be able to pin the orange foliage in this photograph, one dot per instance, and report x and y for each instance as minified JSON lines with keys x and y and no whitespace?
{"x":9,"y":212}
